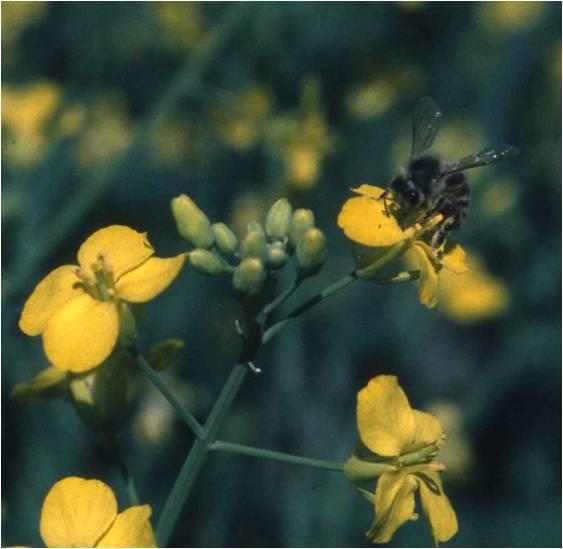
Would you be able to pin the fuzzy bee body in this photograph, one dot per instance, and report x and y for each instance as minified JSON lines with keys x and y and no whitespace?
{"x":429,"y":186}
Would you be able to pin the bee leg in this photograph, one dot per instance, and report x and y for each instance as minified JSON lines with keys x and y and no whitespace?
{"x":383,"y":197}
{"x":444,"y":230}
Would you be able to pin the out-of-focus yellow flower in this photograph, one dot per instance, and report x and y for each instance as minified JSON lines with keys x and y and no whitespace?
{"x":474,"y":296}
{"x":458,"y":452}
{"x":366,"y":220}
{"x":371,"y":100}
{"x":183,"y":22}
{"x":247,"y":207}
{"x":302,"y":140}
{"x":499,"y":197}
{"x":16,"y":17}
{"x":108,"y":132}
{"x":241,"y":122}
{"x":81,"y":310}
{"x":408,"y":440}
{"x":25,"y":114}
{"x":507,"y":17}
{"x":83,"y":513}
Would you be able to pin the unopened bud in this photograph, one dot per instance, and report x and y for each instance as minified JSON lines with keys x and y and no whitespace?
{"x":206,"y":262}
{"x":278,"y":219}
{"x":277,"y":256}
{"x":253,"y":244}
{"x":99,"y":396}
{"x":226,"y":240}
{"x":301,"y":222}
{"x":192,"y":223}
{"x":249,"y":276}
{"x":165,"y":354}
{"x":311,"y":250}
{"x":50,"y":383}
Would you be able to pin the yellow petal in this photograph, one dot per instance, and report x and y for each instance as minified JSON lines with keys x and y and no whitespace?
{"x":365,"y":220}
{"x":50,"y":383}
{"x":149,"y":279}
{"x":131,"y":528}
{"x":437,"y":507}
{"x":427,"y":431}
{"x":454,"y":258}
{"x":428,"y":283}
{"x":122,"y":247}
{"x":81,"y":334}
{"x":385,"y":419}
{"x":53,"y":291}
{"x":368,"y":190}
{"x":394,"y":505}
{"x":77,"y":513}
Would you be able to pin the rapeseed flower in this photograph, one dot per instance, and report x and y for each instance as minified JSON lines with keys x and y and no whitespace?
{"x":407,"y":441}
{"x":366,"y":220}
{"x":83,"y":513}
{"x":81,"y":311}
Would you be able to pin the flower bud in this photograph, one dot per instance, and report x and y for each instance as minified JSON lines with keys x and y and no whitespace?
{"x":165,"y":354}
{"x":253,"y":244}
{"x":206,"y":262}
{"x":301,"y":222}
{"x":249,"y":276}
{"x":226,"y":240}
{"x":47,"y":384}
{"x":99,"y":396}
{"x":278,"y":219}
{"x":192,"y":223}
{"x":276,"y":255}
{"x":311,"y":250}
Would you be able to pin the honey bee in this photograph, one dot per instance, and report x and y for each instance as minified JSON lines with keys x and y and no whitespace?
{"x":430,"y":186}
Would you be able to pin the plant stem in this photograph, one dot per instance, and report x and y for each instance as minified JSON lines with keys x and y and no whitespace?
{"x":327,"y":292}
{"x":190,"y":420}
{"x":221,"y":446}
{"x":196,"y":457}
{"x":281,"y":299}
{"x":123,"y":469}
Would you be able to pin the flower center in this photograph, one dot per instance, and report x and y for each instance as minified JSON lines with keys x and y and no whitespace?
{"x":98,"y":281}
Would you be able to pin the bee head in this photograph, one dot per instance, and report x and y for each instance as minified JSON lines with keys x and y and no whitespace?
{"x":407,"y":193}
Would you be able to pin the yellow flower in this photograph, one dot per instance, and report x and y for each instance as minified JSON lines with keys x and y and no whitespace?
{"x":367,"y":221}
{"x":408,"y":439}
{"x":81,"y":310}
{"x":83,"y":513}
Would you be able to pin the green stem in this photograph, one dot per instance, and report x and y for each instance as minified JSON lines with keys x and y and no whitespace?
{"x":196,"y":457}
{"x":190,"y":420}
{"x":123,"y":469}
{"x":282,"y":298}
{"x":221,"y":446}
{"x":327,"y":292}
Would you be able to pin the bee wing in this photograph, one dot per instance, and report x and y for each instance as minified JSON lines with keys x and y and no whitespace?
{"x":482,"y":158}
{"x":425,"y":125}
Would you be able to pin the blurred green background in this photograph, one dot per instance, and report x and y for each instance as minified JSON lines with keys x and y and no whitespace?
{"x":109,"y":110}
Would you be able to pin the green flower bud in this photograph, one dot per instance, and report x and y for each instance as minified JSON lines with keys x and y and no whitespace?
{"x":48,"y":384}
{"x":249,"y":276}
{"x":192,"y":223}
{"x":165,"y":354}
{"x":301,"y":222}
{"x":206,"y":262}
{"x":276,"y":255}
{"x":226,"y":240}
{"x":311,"y":250}
{"x":278,"y":219}
{"x":253,"y":244}
{"x":99,"y":396}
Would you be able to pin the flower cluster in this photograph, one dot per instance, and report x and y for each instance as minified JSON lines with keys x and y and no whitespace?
{"x":264,"y":249}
